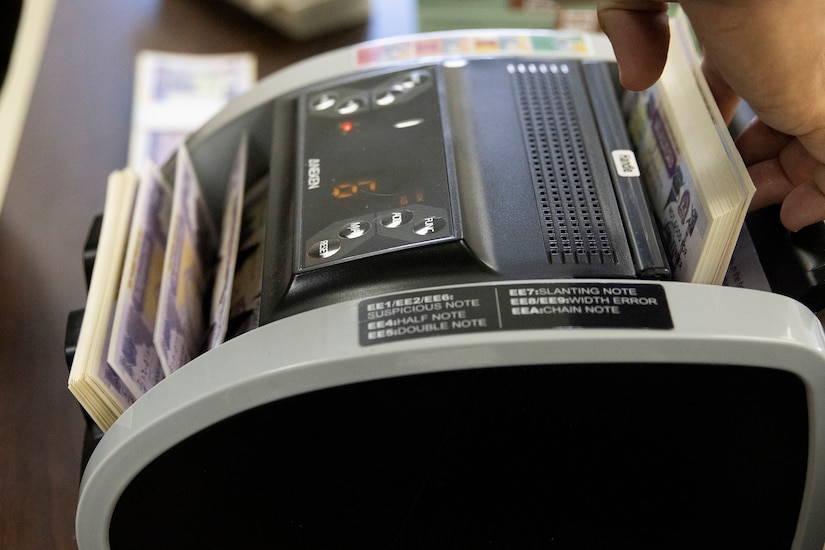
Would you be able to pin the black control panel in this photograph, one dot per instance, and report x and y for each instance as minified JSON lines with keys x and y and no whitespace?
{"x":372,"y":168}
{"x":459,"y":172}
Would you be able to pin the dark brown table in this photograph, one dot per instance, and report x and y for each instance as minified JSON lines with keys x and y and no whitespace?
{"x":77,"y":132}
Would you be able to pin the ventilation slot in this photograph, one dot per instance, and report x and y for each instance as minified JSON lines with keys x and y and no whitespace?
{"x":567,"y":198}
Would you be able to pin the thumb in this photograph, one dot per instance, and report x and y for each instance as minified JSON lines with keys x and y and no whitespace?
{"x":639,"y":32}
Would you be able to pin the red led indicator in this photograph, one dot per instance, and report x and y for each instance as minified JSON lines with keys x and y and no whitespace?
{"x":346,"y":127}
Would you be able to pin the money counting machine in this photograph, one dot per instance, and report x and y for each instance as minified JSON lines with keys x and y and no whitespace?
{"x":468,"y":333}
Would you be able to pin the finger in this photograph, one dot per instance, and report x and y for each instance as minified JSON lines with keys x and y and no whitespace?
{"x":797,"y":163}
{"x":776,"y":178}
{"x":771,"y":182}
{"x":819,"y":178}
{"x":759,"y":142}
{"x":640,"y":35}
{"x":814,"y":141}
{"x":805,"y":205}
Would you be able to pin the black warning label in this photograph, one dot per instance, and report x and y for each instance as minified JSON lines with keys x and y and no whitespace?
{"x":597,"y":305}
{"x":513,"y":307}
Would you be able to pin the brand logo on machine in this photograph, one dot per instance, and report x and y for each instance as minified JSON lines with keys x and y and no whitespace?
{"x":313,"y":173}
{"x":625,"y":162}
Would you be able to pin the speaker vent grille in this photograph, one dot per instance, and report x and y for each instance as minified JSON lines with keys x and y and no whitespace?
{"x":567,"y":197}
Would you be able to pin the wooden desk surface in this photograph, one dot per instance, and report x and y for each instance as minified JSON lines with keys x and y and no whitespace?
{"x":77,"y":131}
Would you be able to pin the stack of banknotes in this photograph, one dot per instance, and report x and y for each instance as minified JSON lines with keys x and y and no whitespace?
{"x":167,"y":284}
{"x":175,"y":93}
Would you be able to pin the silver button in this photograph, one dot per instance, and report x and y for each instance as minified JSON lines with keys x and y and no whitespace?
{"x":323,"y":102}
{"x":354,"y":229}
{"x":397,"y":219}
{"x":416,"y":78}
{"x":323,"y":249}
{"x":385,"y":98}
{"x":349,"y":107}
{"x":430,"y":225}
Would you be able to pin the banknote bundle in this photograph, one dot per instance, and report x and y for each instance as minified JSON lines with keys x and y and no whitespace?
{"x":167,"y":285}
{"x":698,"y":186}
{"x":159,"y":254}
{"x":94,"y":383}
{"x":190,"y":249}
{"x":131,"y":351}
{"x":176,"y":93}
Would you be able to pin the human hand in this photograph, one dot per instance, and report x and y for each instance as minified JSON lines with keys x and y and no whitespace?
{"x":773,"y":57}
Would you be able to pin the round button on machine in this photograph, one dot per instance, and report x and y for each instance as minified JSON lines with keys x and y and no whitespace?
{"x":323,"y":249}
{"x":427,"y":226}
{"x":355,"y":229}
{"x":324,"y":101}
{"x":397,"y":219}
{"x":416,"y":78}
{"x":388,"y":96}
{"x":350,"y":106}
